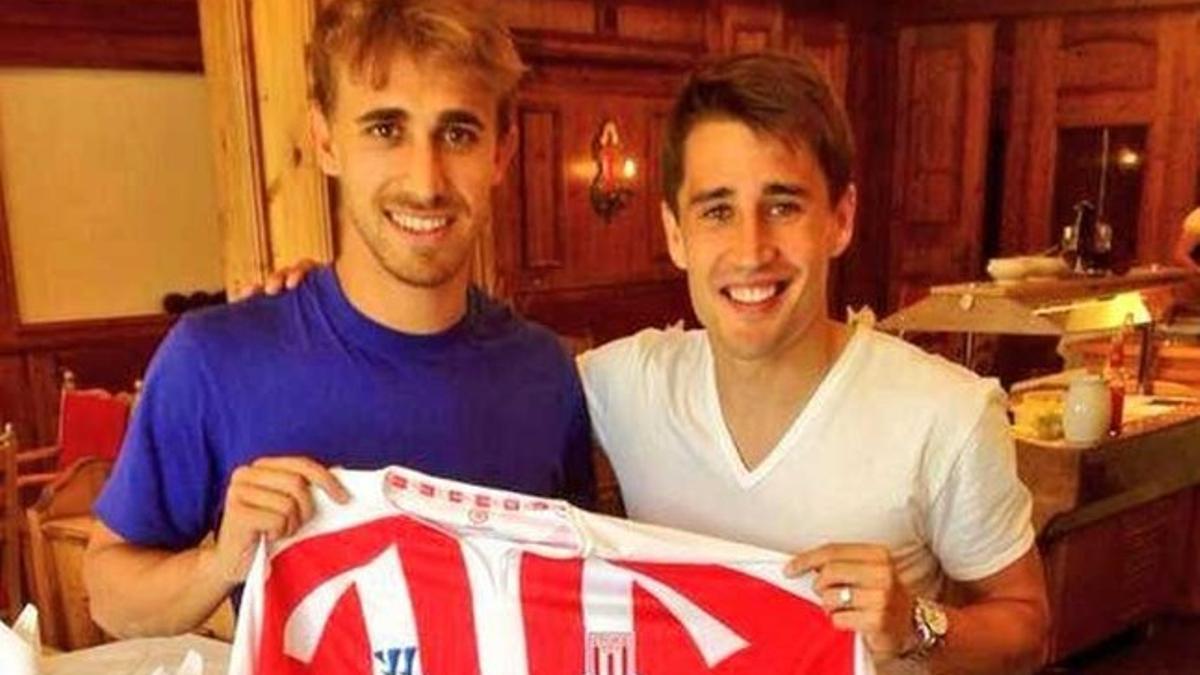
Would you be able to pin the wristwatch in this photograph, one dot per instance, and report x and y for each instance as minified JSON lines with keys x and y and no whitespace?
{"x":931,"y":624}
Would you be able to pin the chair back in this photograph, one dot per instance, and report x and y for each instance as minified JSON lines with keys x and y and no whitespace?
{"x":22,"y":476}
{"x":91,"y":423}
{"x":60,"y":523}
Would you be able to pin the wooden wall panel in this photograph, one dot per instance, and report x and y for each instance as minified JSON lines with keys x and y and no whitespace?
{"x":862,"y":275}
{"x":136,"y":34}
{"x":941,"y":144}
{"x":1108,"y":53}
{"x":749,"y":28}
{"x":9,"y":314}
{"x":827,"y":41}
{"x":1177,"y":133}
{"x":656,"y":237}
{"x":1032,"y":138}
{"x":676,"y":23}
{"x":14,"y":405}
{"x":591,"y":317}
{"x":568,"y":16}
{"x":1155,"y":238}
{"x":599,"y":252}
{"x":1101,"y":108}
{"x":108,"y":353}
{"x":541,"y":188}
{"x":925,"y":11}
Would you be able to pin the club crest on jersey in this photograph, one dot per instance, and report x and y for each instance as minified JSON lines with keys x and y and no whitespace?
{"x":610,"y":654}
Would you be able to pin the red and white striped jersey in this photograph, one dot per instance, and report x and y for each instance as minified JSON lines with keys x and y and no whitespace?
{"x":423,"y":576}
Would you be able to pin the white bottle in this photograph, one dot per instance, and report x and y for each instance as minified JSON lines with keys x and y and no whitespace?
{"x":1086,"y":410}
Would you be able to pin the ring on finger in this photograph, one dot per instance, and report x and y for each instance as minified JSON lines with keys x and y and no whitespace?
{"x":845,"y":597}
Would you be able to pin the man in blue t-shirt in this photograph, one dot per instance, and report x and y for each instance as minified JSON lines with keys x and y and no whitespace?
{"x":387,"y":357}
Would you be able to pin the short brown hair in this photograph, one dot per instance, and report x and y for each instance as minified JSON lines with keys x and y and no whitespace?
{"x":368,"y":33}
{"x":784,"y":96}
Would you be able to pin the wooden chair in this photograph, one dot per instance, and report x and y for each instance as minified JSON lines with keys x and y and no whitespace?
{"x":91,"y":422}
{"x":19,"y":482}
{"x":59,"y":526}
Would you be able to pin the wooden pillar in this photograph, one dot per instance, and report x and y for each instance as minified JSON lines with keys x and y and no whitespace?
{"x":1032,"y":138}
{"x":272,"y":199}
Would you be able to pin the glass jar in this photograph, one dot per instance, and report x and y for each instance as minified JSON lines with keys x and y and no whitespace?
{"x":1087,"y":409}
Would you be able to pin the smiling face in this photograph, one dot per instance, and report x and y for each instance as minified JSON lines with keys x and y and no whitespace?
{"x":415,"y":160}
{"x":756,"y":231}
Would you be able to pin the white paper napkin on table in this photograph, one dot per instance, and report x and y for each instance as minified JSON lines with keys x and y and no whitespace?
{"x":21,"y":644}
{"x":180,"y":655}
{"x":193,"y":664}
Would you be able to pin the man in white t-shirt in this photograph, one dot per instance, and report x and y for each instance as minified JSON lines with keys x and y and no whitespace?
{"x":889,"y":470}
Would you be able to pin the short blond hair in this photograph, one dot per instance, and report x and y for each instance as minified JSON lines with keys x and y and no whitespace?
{"x":369,"y":33}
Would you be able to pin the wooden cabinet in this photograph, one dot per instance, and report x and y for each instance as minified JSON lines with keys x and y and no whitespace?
{"x":1118,"y":572}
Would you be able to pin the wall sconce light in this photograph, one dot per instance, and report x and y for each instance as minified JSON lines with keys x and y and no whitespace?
{"x":611,"y":188}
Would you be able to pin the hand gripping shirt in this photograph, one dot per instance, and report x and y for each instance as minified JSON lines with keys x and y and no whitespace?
{"x":420,"y":575}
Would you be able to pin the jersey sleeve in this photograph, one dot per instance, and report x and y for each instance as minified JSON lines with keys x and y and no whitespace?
{"x":980,"y":515}
{"x":162,"y":490}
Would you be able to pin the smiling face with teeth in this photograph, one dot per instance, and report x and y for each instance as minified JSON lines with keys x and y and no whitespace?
{"x":415,"y":159}
{"x":756,"y":232}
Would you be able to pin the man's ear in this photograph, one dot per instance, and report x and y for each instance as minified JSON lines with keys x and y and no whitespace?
{"x":674,"y":235}
{"x":322,"y":137}
{"x":843,"y":226}
{"x":506,"y":149}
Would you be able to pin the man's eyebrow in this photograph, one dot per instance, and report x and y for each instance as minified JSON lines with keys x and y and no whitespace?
{"x":710,"y":195}
{"x":461,"y":117}
{"x":786,"y":190}
{"x":382,"y":115}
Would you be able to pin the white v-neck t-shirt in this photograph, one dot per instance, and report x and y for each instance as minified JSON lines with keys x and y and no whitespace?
{"x":896,"y":447}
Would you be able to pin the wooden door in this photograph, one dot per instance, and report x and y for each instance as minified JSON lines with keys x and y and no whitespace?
{"x":943,"y":110}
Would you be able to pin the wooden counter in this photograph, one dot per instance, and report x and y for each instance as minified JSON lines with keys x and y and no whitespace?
{"x":1117,"y":526}
{"x":1073,"y":484}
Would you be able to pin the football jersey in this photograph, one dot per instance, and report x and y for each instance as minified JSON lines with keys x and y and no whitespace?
{"x":418,"y":575}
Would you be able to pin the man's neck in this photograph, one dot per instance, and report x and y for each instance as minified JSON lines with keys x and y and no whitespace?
{"x":401,"y":306}
{"x":800,"y":366}
{"x":760,"y":398}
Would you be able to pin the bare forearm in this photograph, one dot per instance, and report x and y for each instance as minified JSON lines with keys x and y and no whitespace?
{"x":141,"y":592}
{"x":997,"y":636}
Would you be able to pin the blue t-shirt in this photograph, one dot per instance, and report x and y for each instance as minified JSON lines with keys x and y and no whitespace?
{"x":494,"y":400}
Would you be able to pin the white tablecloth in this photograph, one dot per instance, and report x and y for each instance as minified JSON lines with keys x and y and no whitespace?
{"x":139,"y":657}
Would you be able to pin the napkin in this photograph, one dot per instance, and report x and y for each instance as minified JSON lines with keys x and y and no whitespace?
{"x":192,"y":664}
{"x":20,"y":644}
